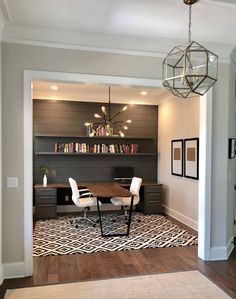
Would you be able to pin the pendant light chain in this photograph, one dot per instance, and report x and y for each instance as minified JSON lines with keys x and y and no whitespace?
{"x":189,"y":23}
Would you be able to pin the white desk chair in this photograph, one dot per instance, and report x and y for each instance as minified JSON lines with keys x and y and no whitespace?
{"x":82,"y":198}
{"x":125,"y":202}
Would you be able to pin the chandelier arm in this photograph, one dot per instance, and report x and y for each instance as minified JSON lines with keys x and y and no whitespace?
{"x":116,"y":115}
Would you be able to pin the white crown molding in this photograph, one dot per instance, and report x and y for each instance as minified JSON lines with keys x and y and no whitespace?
{"x":220,"y":3}
{"x":99,"y":42}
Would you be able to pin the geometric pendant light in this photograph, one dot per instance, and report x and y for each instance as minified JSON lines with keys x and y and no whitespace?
{"x":189,"y":70}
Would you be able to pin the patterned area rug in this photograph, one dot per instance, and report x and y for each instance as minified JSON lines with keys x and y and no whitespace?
{"x":58,"y":236}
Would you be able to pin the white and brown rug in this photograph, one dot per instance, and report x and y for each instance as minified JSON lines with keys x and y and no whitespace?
{"x":57,"y":236}
{"x":179,"y":285}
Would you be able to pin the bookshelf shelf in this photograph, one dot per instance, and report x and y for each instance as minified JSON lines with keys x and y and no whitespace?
{"x":91,"y":138}
{"x":93,"y":154}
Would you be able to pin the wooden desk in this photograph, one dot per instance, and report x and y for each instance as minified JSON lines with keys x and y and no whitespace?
{"x":111,"y":190}
{"x":150,"y":195}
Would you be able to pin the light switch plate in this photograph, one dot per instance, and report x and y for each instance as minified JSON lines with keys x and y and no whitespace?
{"x":12,"y":182}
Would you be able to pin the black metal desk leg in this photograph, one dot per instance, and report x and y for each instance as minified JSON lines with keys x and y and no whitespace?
{"x":130,"y":214}
{"x":99,"y":215}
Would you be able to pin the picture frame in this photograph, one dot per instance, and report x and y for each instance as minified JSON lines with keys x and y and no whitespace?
{"x":191,"y":158}
{"x":177,"y":157}
{"x":232,"y":148}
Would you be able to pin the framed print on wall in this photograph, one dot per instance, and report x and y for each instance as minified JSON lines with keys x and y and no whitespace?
{"x":191,"y":158}
{"x":232,"y":148}
{"x":177,"y":157}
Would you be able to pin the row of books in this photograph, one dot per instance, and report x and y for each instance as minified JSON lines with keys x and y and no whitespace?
{"x":76,"y":147}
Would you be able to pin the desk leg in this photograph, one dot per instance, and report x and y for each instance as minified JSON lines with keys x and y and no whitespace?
{"x":99,"y":215}
{"x":130,"y":214}
{"x":129,"y":222}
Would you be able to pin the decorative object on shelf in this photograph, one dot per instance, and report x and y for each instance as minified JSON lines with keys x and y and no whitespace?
{"x":191,"y":158}
{"x":45,"y":170}
{"x":45,"y":181}
{"x":177,"y":157}
{"x":232,"y":148}
{"x":189,"y":70}
{"x":107,"y":126}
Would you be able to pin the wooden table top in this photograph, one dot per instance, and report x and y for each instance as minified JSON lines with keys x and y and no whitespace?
{"x":99,"y":189}
{"x":108,"y":189}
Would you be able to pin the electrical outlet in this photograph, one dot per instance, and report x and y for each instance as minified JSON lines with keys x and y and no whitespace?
{"x":67,"y":198}
{"x":12,"y":182}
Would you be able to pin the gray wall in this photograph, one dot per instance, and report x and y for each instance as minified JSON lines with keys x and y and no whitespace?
{"x":16,"y":58}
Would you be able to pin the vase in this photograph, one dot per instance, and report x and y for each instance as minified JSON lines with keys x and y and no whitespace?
{"x":45,"y":181}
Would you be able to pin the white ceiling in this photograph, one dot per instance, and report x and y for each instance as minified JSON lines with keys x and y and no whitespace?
{"x":92,"y":92}
{"x":138,"y":26}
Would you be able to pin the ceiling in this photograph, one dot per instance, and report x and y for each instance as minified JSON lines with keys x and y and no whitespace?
{"x":149,"y":27}
{"x":93,"y":92}
{"x":137,"y":27}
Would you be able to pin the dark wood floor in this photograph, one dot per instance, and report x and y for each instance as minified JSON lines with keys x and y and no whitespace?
{"x":81,"y":267}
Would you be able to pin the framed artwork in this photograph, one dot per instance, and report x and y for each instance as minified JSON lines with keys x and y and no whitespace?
{"x":177,"y":157}
{"x":191,"y":158}
{"x":232,"y":148}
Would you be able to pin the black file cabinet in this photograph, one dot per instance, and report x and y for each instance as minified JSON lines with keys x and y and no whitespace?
{"x":45,"y":203}
{"x":152,"y":199}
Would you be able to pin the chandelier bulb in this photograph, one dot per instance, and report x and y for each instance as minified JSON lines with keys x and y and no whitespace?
{"x":97,"y":115}
{"x":121,"y":134}
{"x":103,"y":108}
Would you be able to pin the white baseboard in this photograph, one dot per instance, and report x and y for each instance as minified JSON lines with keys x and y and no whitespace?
{"x":181,"y":217}
{"x":222,"y":252}
{"x":13,"y":270}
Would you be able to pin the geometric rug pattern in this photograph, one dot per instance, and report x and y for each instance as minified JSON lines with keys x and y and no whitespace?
{"x":58,"y":236}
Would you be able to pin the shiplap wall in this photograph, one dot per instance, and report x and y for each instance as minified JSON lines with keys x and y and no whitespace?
{"x":67,"y":118}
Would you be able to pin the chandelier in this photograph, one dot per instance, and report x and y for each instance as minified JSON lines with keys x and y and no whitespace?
{"x":190,"y":69}
{"x":108,"y":126}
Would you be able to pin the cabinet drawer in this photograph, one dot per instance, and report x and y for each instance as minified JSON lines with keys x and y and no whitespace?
{"x":153,"y":189}
{"x":45,"y":199}
{"x":153,"y":197}
{"x":45,"y":211}
{"x":45,"y":192}
{"x":153,"y":207}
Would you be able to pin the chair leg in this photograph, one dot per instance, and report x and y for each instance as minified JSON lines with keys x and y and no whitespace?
{"x":84,"y":219}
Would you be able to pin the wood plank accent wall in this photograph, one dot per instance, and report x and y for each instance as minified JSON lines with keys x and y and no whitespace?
{"x":67,"y":118}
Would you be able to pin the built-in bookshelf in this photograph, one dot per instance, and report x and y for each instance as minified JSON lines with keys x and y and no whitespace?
{"x":46,"y":145}
{"x":96,"y":148}
{"x":60,"y":141}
